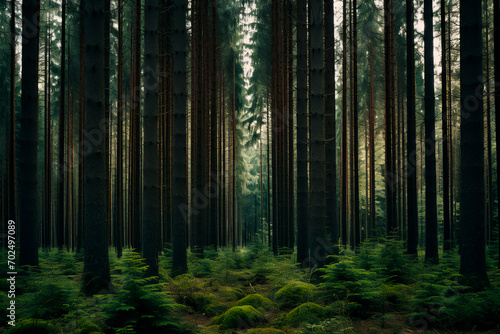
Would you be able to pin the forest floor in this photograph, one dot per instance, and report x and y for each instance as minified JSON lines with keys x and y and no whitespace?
{"x":375,"y":290}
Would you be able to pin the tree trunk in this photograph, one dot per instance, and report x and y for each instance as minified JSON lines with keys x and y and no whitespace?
{"x":444,"y":112}
{"x":355,"y":140}
{"x":302,"y":178}
{"x":431,"y":242}
{"x":316,"y":133}
{"x":330,"y":125}
{"x":411,"y":148}
{"x":28,"y":178}
{"x":179,"y":195}
{"x":61,"y":170}
{"x":344,"y":177}
{"x":496,"y":57}
{"x":119,"y":140}
{"x":96,"y":276}
{"x":151,"y":205}
{"x":472,"y":254}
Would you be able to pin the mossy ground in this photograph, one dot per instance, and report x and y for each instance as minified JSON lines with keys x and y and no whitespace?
{"x":224,"y":296}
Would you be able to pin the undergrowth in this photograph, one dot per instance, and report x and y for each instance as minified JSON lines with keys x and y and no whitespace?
{"x":370,"y":289}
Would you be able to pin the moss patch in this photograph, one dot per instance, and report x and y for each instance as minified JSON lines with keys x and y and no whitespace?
{"x":257,"y":301}
{"x":308,"y":312}
{"x":294,"y":294}
{"x":240,"y":317}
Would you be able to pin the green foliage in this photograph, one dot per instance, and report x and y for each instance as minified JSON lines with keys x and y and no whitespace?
{"x":140,"y":306}
{"x":240,"y":317}
{"x":307,"y":312}
{"x":88,"y":328}
{"x":50,"y":302}
{"x":337,"y":325}
{"x":393,"y":261}
{"x":33,"y":326}
{"x":294,"y":294}
{"x":269,"y":330}
{"x":344,"y":281}
{"x":256,"y":300}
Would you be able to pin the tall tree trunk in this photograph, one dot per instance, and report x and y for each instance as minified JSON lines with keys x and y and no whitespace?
{"x":119,"y":140}
{"x":373,"y":213}
{"x":344,"y":177}
{"x":28,"y":139}
{"x":47,"y":186}
{"x":81,"y":193}
{"x":355,"y":141}
{"x":179,"y":195}
{"x":411,"y":148}
{"x":444,"y":112}
{"x":61,"y":170}
{"x":431,"y":242}
{"x":107,"y":120}
{"x":11,"y":142}
{"x":96,"y":276}
{"x":151,"y":205}
{"x":302,"y":179}
{"x":489,"y":188}
{"x":330,"y":124}
{"x":472,"y":254}
{"x":496,"y":56}
{"x":390,"y":183}
{"x":316,"y":132}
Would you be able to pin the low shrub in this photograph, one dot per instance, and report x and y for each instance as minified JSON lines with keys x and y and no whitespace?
{"x":240,"y":317}
{"x":294,"y":294}
{"x":257,"y":301}
{"x":307,"y":312}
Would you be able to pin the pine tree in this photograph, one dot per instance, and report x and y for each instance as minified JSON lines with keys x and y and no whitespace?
{"x":96,"y":276}
{"x":472,"y":238}
{"x":28,"y":178}
{"x":179,"y":196}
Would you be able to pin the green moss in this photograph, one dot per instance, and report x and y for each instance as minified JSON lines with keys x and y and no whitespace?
{"x":294,"y":294}
{"x":240,"y":317}
{"x":264,"y":331}
{"x":229,"y":293}
{"x":308,"y":312}
{"x":215,"y":309}
{"x":256,"y":301}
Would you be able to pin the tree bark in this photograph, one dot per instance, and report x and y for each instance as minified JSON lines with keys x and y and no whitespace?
{"x":96,"y":276}
{"x":28,"y":139}
{"x":472,"y":254}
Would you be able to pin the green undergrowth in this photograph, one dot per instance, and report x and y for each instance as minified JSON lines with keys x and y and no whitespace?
{"x":373,"y":289}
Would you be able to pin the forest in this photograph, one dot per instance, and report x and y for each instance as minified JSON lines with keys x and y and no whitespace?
{"x":249,"y":166}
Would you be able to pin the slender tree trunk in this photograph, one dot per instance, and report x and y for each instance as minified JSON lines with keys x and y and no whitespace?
{"x":489,"y":188}
{"x":431,"y":242}
{"x":330,"y":125}
{"x":316,"y":132}
{"x":373,"y":213}
{"x":28,"y":178}
{"x":61,"y":170}
{"x":81,"y":220}
{"x":151,"y":205}
{"x":357,"y":224}
{"x":11,"y":142}
{"x":496,"y":56}
{"x":179,"y":196}
{"x":108,"y":134}
{"x":302,"y":179}
{"x":344,"y":177}
{"x":472,"y":254}
{"x":47,"y":205}
{"x":119,"y":140}
{"x":96,"y":276}
{"x":411,"y":148}
{"x":444,"y":112}
{"x":391,"y":226}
